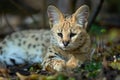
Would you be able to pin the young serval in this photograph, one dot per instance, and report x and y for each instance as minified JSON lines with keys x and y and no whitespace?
{"x":66,"y":45}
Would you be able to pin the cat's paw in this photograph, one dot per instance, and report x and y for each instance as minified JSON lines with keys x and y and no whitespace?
{"x":58,"y":65}
{"x":72,"y":63}
{"x":54,"y":65}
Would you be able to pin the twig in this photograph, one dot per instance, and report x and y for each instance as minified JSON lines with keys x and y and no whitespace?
{"x":24,"y":11}
{"x":44,"y":14}
{"x":7,"y":21}
{"x":94,"y":14}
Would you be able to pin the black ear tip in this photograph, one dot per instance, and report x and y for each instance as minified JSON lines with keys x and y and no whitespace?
{"x":86,"y":7}
{"x":51,"y":7}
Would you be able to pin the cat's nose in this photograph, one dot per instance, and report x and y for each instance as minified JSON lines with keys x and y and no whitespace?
{"x":65,"y":43}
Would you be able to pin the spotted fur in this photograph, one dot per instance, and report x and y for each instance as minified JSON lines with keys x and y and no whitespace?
{"x":24,"y":46}
{"x":65,"y":46}
{"x":70,"y":43}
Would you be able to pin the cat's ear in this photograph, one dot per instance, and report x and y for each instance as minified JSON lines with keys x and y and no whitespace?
{"x":55,"y":16}
{"x":81,"y":16}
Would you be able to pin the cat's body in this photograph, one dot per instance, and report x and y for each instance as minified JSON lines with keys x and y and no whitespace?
{"x":66,"y":45}
{"x":24,"y":46}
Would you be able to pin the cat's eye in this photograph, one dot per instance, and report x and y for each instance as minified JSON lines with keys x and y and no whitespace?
{"x":72,"y":34}
{"x":60,"y":34}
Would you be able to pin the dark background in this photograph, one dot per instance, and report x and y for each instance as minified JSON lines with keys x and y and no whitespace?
{"x":16,"y":15}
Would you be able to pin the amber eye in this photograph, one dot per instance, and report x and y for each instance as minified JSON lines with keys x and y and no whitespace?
{"x":60,"y":34}
{"x":72,"y":34}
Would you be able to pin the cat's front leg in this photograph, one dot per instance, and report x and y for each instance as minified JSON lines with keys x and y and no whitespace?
{"x":53,"y":62}
{"x":72,"y":62}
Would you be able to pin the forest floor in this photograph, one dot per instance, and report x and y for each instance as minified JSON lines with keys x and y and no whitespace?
{"x":104,"y":64}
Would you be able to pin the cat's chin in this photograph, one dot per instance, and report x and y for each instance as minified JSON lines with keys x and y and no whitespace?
{"x":65,"y":48}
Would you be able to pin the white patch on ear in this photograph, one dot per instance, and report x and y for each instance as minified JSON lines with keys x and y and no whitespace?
{"x":54,"y":15}
{"x":81,"y":15}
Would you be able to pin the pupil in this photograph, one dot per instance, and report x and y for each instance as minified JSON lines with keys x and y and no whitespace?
{"x":60,"y":34}
{"x":72,"y":34}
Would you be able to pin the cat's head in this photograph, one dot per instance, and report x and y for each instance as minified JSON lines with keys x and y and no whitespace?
{"x":68,"y":32}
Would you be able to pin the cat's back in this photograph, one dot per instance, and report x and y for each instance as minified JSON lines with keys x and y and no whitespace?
{"x":23,"y":46}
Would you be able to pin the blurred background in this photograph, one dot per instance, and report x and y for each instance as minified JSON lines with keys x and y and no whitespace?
{"x":103,"y":26}
{"x":17,"y":15}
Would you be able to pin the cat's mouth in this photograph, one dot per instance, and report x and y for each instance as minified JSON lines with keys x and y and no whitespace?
{"x":66,"y":48}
